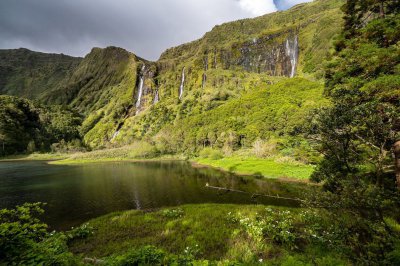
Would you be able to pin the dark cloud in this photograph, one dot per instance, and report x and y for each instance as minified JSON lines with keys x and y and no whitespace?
{"x":145,"y":27}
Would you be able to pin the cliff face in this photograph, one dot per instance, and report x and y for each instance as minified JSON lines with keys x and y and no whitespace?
{"x":124,"y":97}
{"x":273,"y":55}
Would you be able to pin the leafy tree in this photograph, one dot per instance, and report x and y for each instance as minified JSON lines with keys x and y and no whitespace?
{"x":357,"y":134}
{"x":24,"y":239}
{"x":20,"y":229}
{"x":27,"y":127}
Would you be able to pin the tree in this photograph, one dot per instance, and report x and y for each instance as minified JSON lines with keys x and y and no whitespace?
{"x":357,"y":134}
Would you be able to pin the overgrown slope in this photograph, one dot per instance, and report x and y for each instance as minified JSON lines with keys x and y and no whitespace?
{"x":29,"y":74}
{"x":124,"y":98}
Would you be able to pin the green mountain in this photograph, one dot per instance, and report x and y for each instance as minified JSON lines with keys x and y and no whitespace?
{"x":29,"y":74}
{"x":124,"y":98}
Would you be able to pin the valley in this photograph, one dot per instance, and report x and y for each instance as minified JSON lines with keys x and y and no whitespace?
{"x":268,"y":141}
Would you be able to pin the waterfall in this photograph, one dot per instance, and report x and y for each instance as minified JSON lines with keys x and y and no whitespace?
{"x":156,"y":98}
{"x":182,"y":84}
{"x":204,"y":80}
{"x":116,"y":133}
{"x":140,"y":90}
{"x":292,"y":51}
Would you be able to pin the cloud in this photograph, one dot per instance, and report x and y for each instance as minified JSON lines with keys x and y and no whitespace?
{"x":285,"y":4}
{"x":145,"y":27}
{"x":258,"y":7}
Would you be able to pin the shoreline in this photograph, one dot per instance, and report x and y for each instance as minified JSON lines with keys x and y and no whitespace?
{"x":241,"y":166}
{"x":199,"y":165}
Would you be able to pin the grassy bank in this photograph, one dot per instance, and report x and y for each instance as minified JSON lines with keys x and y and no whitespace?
{"x":36,"y":157}
{"x":208,"y":232}
{"x":271,"y":168}
{"x":242,"y":165}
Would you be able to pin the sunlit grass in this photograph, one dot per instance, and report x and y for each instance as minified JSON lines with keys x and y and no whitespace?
{"x":206,"y":226}
{"x":258,"y":166}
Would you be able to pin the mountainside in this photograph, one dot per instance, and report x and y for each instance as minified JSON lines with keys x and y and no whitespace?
{"x":124,"y":98}
{"x":29,"y":74}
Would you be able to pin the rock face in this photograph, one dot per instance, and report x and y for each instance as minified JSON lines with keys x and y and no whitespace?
{"x":146,"y":92}
{"x":274,"y":55}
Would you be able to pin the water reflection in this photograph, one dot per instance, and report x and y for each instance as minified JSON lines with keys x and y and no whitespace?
{"x":77,"y":193}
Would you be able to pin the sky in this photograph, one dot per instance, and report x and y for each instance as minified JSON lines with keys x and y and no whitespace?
{"x":144,"y":27}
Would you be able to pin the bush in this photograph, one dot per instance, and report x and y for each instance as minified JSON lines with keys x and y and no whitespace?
{"x":143,"y":149}
{"x":205,"y":153}
{"x":148,"y":255}
{"x":151,"y":255}
{"x":31,"y":148}
{"x":25,"y":241}
{"x":262,"y":148}
{"x":81,"y":232}
{"x":20,"y":229}
{"x":211,"y":154}
{"x":173,"y":213}
{"x":275,"y":225}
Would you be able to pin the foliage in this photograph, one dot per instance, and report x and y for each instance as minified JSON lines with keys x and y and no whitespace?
{"x":142,"y":149}
{"x":81,"y":232}
{"x":358,"y":132}
{"x":205,"y":235}
{"x":275,"y":225}
{"x":26,"y":127}
{"x":271,"y":167}
{"x":274,"y":114}
{"x":356,"y":228}
{"x":20,"y":229}
{"x":173,"y":213}
{"x":31,"y":75}
{"x":24,"y":239}
{"x":148,"y":255}
{"x":211,"y":153}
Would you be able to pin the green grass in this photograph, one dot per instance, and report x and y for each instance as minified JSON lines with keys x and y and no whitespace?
{"x":207,"y":225}
{"x":257,"y":166}
{"x":36,"y":156}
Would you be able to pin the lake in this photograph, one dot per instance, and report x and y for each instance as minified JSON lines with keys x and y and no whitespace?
{"x":77,"y":193}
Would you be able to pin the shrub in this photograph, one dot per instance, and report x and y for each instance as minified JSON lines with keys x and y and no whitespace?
{"x":31,"y":148}
{"x":262,"y":148}
{"x":143,"y":149}
{"x":216,"y":155}
{"x":173,"y":213}
{"x":25,"y":241}
{"x":20,"y":229}
{"x":275,"y":225}
{"x":148,"y":255}
{"x":205,"y":153}
{"x":211,"y":153}
{"x":81,"y":232}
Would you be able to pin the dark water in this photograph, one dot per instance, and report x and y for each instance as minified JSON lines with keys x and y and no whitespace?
{"x":75,"y":194}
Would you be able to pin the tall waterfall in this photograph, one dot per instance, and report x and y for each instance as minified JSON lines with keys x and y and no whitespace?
{"x":140,"y":89}
{"x":116,"y":133}
{"x":156,"y":97}
{"x":204,"y":80}
{"x":292,"y":50}
{"x":182,"y":84}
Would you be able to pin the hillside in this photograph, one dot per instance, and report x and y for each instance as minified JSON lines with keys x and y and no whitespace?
{"x":232,"y":59}
{"x":29,"y":74}
{"x":124,"y":98}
